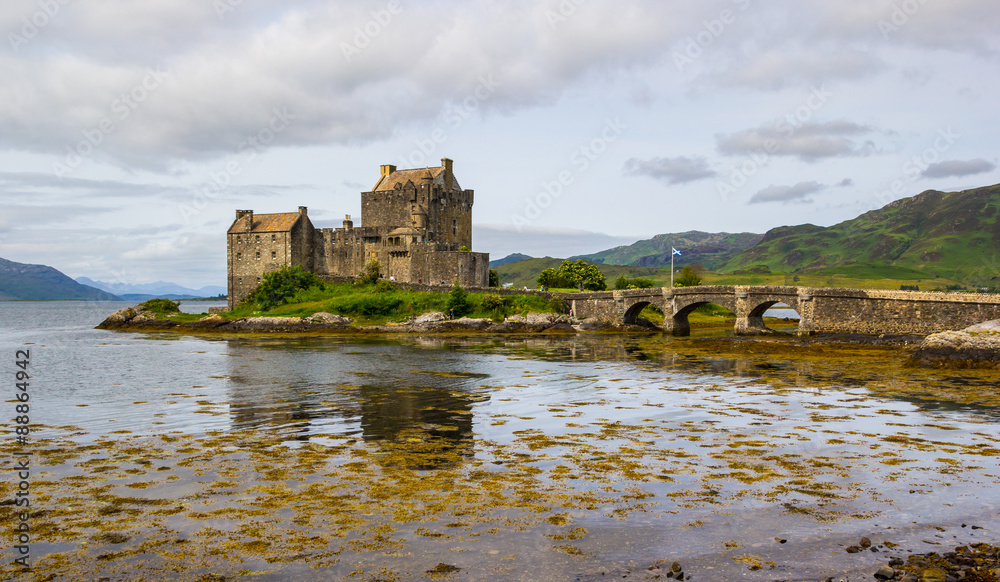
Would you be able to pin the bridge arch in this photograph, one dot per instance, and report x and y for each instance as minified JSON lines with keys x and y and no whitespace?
{"x":685,"y":304}
{"x":632,"y":312}
{"x":756,"y":304}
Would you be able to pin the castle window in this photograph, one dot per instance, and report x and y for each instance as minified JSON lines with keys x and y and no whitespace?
{"x":258,"y":254}
{"x":274,"y":237}
{"x":454,"y":227}
{"x":274,"y":255}
{"x":256,"y":237}
{"x":239,"y":256}
{"x":237,"y":238}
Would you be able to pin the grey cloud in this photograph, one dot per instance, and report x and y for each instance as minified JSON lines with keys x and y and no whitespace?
{"x":845,"y":183}
{"x":810,"y":141}
{"x":958,"y":168}
{"x":785,"y":194}
{"x":671,"y":171}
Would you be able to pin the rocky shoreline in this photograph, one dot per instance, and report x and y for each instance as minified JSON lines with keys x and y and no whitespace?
{"x":139,"y":318}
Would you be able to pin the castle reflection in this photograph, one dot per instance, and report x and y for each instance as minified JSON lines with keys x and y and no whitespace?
{"x":308,"y":388}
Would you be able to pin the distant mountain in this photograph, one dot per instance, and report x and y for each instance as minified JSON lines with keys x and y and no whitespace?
{"x":525,"y":273}
{"x":42,"y":283}
{"x":157,"y":289}
{"x":710,"y":249}
{"x":508,"y":259}
{"x":953,"y":235}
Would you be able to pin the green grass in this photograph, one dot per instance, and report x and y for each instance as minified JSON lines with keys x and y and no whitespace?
{"x":368,"y":307}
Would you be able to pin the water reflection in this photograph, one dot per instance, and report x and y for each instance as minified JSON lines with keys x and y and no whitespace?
{"x":381,"y":390}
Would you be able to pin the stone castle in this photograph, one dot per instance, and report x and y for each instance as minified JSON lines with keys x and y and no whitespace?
{"x":416,"y":223}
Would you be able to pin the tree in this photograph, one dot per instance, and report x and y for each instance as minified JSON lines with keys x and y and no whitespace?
{"x":279,"y":286}
{"x":458,"y":301}
{"x":370,"y":274}
{"x":689,"y":277}
{"x":583,"y":275}
{"x":494,"y":278}
{"x":550,"y":278}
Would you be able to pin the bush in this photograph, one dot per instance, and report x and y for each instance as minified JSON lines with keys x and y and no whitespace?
{"x":383,"y":286}
{"x":280,"y":286}
{"x":370,"y":274}
{"x":559,"y":304}
{"x":494,"y":278}
{"x":161,"y":306}
{"x":689,"y":277}
{"x":458,"y":302}
{"x":624,"y":282}
{"x":494,"y":303}
{"x":909,"y":287}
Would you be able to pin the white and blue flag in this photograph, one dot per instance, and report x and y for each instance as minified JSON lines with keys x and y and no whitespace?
{"x":676,"y":252}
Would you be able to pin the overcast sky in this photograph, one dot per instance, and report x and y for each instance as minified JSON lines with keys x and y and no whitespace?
{"x":131,"y":130}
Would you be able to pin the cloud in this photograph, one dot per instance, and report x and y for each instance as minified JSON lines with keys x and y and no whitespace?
{"x":958,"y":168}
{"x":671,"y":171}
{"x":501,"y":240}
{"x":785,"y":194}
{"x":809,"y":142}
{"x":845,"y":183}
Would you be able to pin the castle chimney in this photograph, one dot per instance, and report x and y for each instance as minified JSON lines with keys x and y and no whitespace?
{"x":449,"y":176}
{"x":303,"y":210}
{"x":348,"y":223}
{"x":387,"y":169}
{"x":249,"y":224}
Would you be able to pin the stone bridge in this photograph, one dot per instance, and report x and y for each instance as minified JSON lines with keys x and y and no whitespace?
{"x":864,"y":311}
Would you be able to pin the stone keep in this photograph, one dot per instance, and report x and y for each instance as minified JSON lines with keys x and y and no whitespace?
{"x":413,"y":222}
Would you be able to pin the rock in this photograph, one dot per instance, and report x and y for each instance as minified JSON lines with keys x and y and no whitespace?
{"x":865,"y":543}
{"x":933,"y":575}
{"x":118,"y":318}
{"x":853,"y":549}
{"x":210,"y":322}
{"x":329,"y":319}
{"x":443,"y":569}
{"x":885,"y":573}
{"x":977,"y":346}
{"x":431,"y":317}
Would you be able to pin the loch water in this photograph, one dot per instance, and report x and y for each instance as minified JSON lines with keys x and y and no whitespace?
{"x":163,"y":456}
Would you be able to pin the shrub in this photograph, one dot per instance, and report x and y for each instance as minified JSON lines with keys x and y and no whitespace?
{"x":370,"y":274}
{"x":458,"y":301}
{"x":494,"y":303}
{"x":383,"y":286}
{"x":494,"y":278}
{"x":161,"y":306}
{"x":281,"y":285}
{"x":624,"y":282}
{"x":368,"y":304}
{"x":689,"y":277}
{"x":559,"y":304}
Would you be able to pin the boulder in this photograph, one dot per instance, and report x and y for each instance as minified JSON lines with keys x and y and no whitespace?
{"x":329,"y":319}
{"x":977,"y":346}
{"x":431,"y":317}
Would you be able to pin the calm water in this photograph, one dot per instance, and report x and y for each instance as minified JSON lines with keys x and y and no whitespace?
{"x":516,"y":458}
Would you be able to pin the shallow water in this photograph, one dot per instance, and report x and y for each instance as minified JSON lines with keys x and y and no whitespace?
{"x":518,"y":458}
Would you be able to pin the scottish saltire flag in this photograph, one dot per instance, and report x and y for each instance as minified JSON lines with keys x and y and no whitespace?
{"x":676,"y":252}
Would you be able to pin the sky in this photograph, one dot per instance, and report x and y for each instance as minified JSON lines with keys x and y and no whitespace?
{"x":131,"y":130}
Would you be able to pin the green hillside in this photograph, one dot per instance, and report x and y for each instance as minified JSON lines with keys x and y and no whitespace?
{"x":41,"y":283}
{"x":710,"y":249}
{"x":953,"y":235}
{"x":525,"y":273}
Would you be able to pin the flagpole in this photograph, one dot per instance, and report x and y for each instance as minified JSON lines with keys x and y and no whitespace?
{"x":671,"y":267}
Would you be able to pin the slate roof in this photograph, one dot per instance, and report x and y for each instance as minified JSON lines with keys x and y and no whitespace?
{"x":281,"y":222}
{"x":401,"y":177}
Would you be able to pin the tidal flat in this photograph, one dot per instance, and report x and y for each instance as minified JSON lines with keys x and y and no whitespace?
{"x":514,"y":458}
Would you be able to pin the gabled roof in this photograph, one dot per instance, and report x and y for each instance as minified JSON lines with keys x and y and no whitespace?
{"x":401,"y":177}
{"x":281,"y":222}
